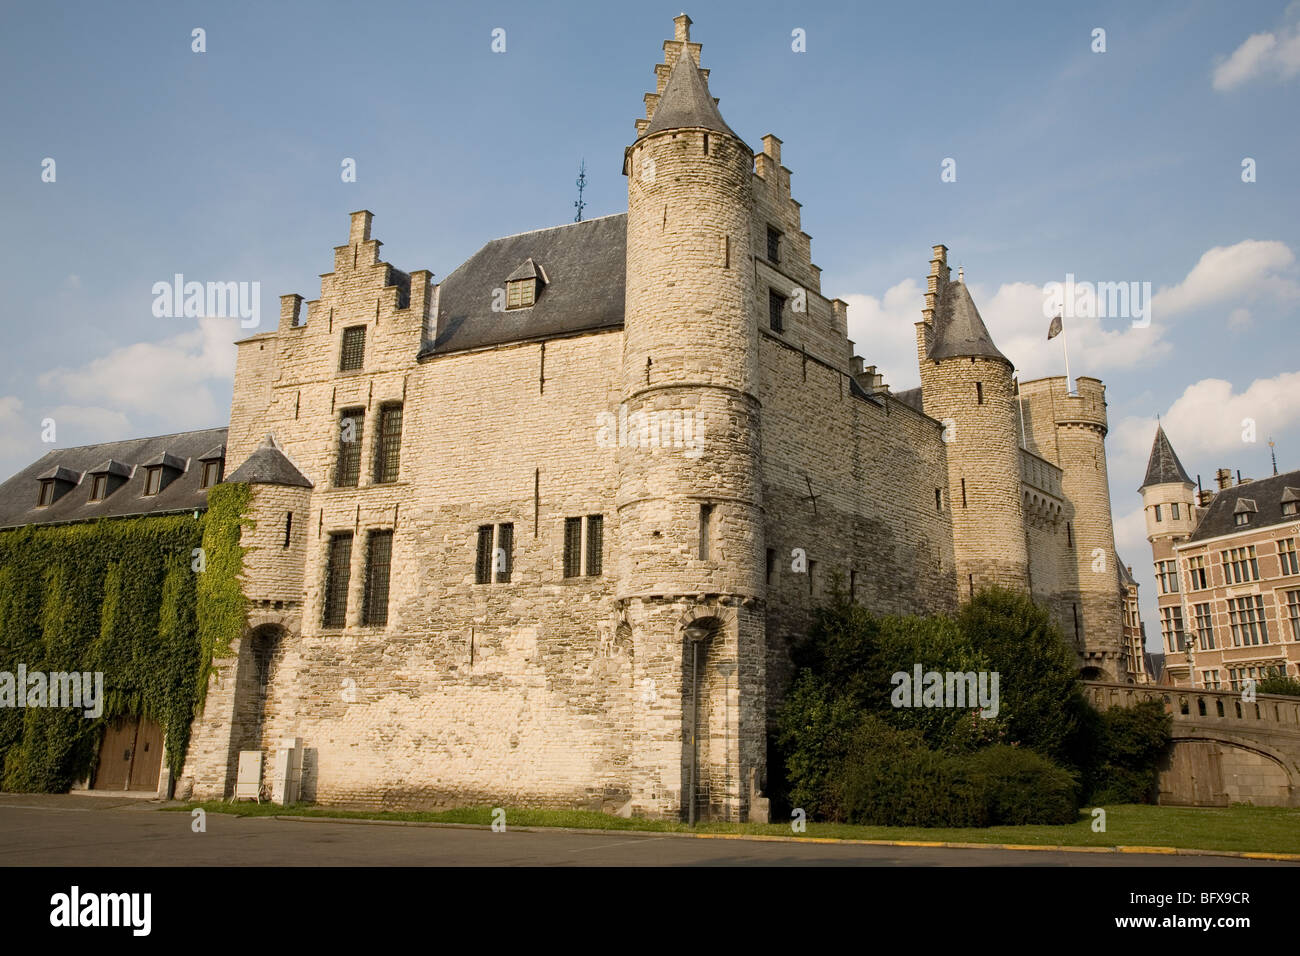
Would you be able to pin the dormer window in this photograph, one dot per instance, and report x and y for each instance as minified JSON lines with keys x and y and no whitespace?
{"x":523,"y":284}
{"x":160,"y":471}
{"x":1245,"y":508}
{"x":55,"y":483}
{"x":106,"y":478}
{"x":1291,"y":502}
{"x":213,"y":463}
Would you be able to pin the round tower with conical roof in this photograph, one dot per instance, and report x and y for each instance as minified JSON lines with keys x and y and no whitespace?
{"x":691,"y":553}
{"x":967,"y":384}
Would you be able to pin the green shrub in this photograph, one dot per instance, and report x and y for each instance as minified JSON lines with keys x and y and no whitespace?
{"x":1022,"y":787}
{"x":1130,"y":745}
{"x":1278,"y":684}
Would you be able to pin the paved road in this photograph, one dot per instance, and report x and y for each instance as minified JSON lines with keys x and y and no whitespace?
{"x":72,"y":830}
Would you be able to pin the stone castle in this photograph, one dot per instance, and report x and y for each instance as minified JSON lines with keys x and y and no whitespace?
{"x":543,"y":532}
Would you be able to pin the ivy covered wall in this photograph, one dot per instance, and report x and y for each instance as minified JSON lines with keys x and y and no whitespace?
{"x":128,"y":597}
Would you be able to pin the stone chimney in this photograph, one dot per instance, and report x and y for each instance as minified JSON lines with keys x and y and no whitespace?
{"x":1223,"y":478}
{"x":682,"y":28}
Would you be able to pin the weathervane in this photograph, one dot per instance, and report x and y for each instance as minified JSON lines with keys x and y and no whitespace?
{"x":582,"y":184}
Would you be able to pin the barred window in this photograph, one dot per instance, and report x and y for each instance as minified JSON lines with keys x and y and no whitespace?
{"x":773,"y":245}
{"x":338,"y":572}
{"x":351,"y":424}
{"x":1196,"y":571}
{"x":354,"y":348}
{"x":1204,"y":625}
{"x":1286,"y":556}
{"x":572,"y":547}
{"x":388,"y":453}
{"x":1246,"y":617}
{"x":506,"y":551}
{"x":775,"y":310}
{"x":595,"y":544}
{"x":1240,"y":565}
{"x":379,"y":559}
{"x":483,"y":561}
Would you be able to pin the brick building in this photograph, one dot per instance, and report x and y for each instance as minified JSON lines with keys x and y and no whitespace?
{"x":542,"y":532}
{"x":1227,"y":577}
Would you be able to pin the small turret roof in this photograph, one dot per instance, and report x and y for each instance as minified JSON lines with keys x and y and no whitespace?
{"x":959,"y":330}
{"x":1163,"y":467}
{"x":686,"y":102}
{"x":268,"y":465}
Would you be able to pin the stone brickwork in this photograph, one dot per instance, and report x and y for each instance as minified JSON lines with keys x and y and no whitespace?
{"x":613,"y":688}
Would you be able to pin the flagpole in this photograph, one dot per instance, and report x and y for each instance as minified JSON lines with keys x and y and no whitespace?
{"x":1069,"y":382}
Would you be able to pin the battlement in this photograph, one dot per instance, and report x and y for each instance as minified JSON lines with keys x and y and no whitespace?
{"x":1086,"y":407}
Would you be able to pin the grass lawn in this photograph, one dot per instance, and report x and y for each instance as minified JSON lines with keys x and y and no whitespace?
{"x":1239,"y":827}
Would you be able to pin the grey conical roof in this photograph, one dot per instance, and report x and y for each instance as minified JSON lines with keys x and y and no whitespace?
{"x":685,"y":101}
{"x":959,"y":330}
{"x":1163,"y":467}
{"x":267,"y":465}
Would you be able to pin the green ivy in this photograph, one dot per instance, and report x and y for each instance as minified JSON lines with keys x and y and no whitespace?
{"x":120,"y":596}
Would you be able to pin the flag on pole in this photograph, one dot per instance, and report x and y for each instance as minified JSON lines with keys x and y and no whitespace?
{"x":1054,"y":329}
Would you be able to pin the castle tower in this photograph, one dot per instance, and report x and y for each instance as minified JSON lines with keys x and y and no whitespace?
{"x":690,"y":530}
{"x":1069,"y":429}
{"x":966,"y":383}
{"x":1167,"y":501}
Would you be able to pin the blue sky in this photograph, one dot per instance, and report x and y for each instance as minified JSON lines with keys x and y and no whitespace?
{"x":225,"y":165}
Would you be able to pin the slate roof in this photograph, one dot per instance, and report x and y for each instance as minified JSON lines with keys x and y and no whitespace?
{"x":686,"y":102}
{"x":268,"y":465}
{"x":959,"y":331}
{"x":1125,"y":578}
{"x":1266,"y":494}
{"x":1155,"y":662}
{"x":1163,"y":467}
{"x":910,"y":397}
{"x":584,"y":266}
{"x":18,"y":495}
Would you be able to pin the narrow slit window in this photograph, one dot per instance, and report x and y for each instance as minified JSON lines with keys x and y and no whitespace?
{"x":706,"y":530}
{"x":288,"y":528}
{"x":979,"y":393}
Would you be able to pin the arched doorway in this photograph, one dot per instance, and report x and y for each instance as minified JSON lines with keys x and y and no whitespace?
{"x":263,"y":650}
{"x":710,"y":744}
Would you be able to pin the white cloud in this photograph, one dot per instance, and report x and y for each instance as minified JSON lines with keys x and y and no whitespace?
{"x":1249,"y":270}
{"x":1206,"y":421}
{"x":884,"y":328}
{"x":1275,"y":55}
{"x":170,"y":381}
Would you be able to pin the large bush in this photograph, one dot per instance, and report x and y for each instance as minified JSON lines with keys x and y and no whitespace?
{"x":849,"y":754}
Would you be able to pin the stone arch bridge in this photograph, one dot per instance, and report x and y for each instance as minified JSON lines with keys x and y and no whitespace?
{"x":1225,"y":750}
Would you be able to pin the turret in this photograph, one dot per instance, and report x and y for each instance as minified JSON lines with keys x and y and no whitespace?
{"x":966,"y":383}
{"x":1167,"y":494}
{"x":1069,"y":429}
{"x":691,"y":552}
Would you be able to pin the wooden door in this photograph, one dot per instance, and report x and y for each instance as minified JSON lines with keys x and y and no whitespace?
{"x":146,"y":762}
{"x":115,"y":751}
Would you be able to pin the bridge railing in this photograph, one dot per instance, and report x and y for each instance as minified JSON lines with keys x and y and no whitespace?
{"x":1195,"y":703}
